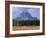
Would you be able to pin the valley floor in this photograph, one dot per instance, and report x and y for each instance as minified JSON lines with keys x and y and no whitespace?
{"x":26,"y":28}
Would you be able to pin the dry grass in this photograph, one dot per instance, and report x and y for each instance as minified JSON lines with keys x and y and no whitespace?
{"x":26,"y":27}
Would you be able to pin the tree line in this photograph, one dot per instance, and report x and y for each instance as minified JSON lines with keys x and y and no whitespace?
{"x":26,"y":22}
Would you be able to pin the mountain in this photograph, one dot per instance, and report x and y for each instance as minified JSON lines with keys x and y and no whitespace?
{"x":25,"y":16}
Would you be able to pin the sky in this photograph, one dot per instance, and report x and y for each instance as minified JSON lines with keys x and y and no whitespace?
{"x":34,"y":12}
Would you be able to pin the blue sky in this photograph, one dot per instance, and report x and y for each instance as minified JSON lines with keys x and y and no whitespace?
{"x":34,"y":12}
